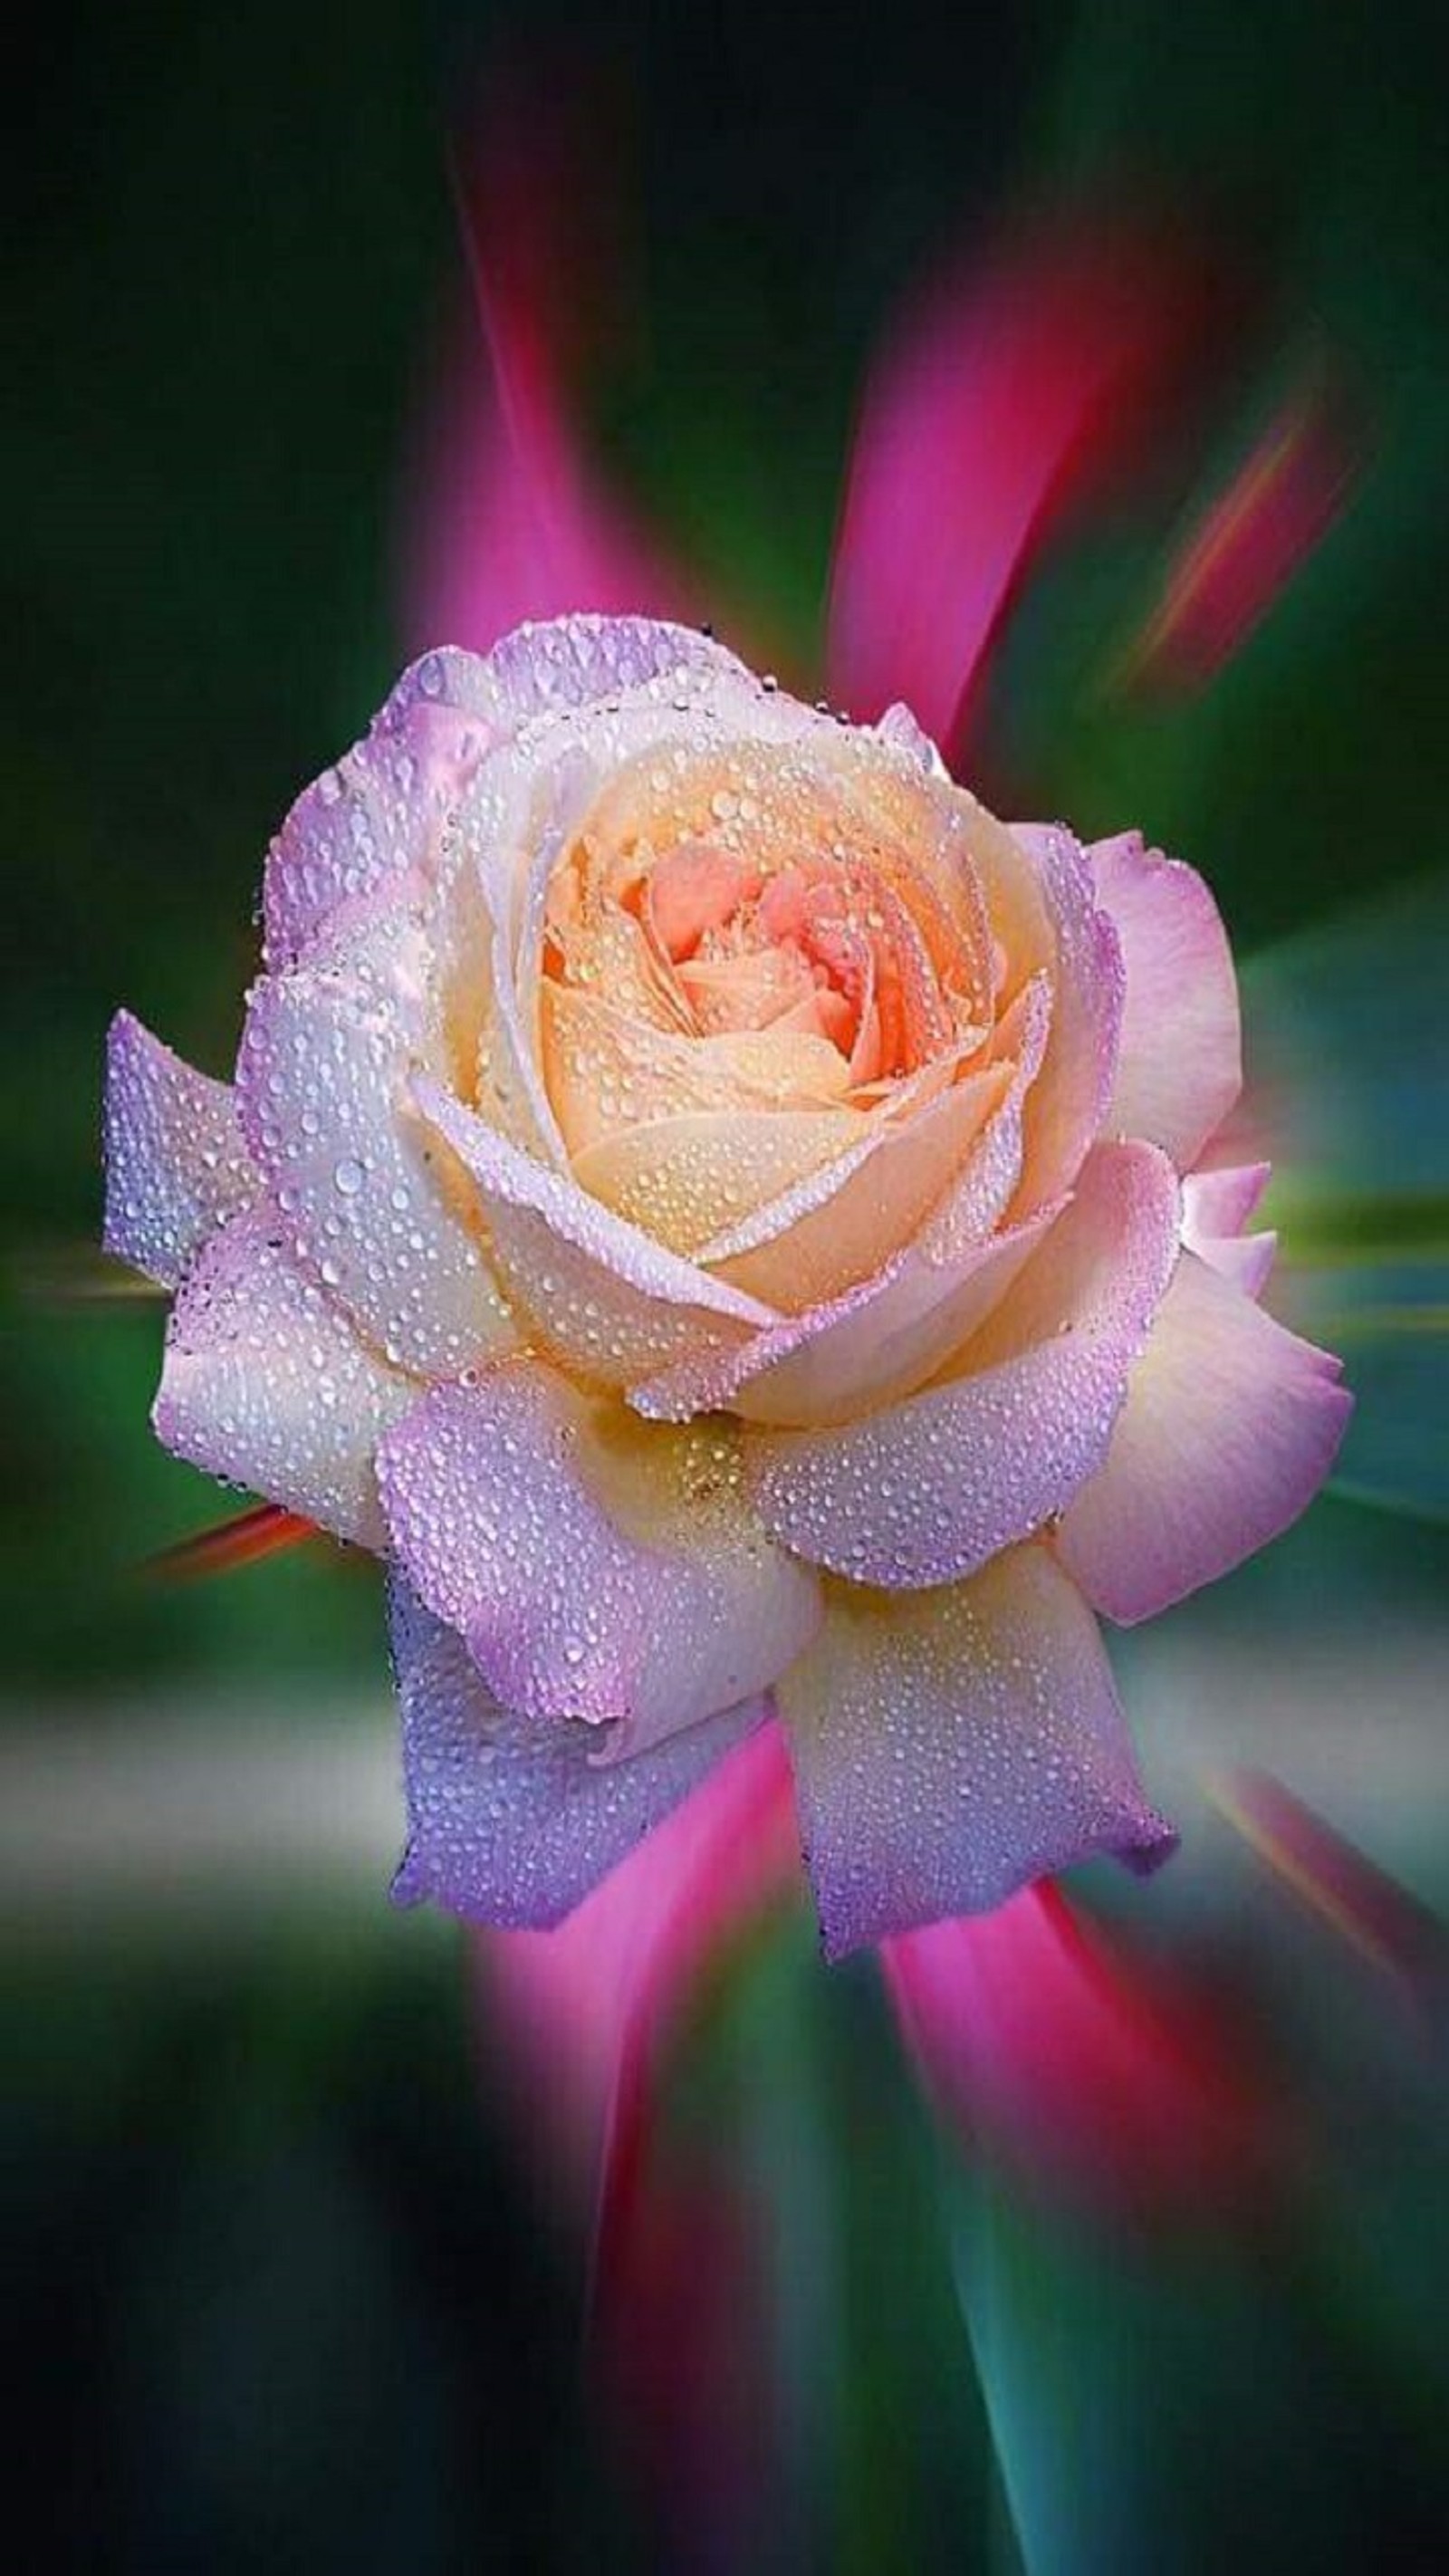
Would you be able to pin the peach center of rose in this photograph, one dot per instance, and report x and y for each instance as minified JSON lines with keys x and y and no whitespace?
{"x":819,"y":946}
{"x":743,"y":962}
{"x":766,"y":916}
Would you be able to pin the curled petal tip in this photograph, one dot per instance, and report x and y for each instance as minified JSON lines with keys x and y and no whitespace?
{"x":410,"y":1882}
{"x":1156,"y":1843}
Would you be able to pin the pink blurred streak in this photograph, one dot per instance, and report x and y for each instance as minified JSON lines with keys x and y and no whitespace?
{"x":1338,"y":1882}
{"x":1011,"y":386}
{"x":1245,"y":550}
{"x":678,"y":2328}
{"x":586,"y":2009}
{"x":1041,"y":2045}
{"x":508,"y":520}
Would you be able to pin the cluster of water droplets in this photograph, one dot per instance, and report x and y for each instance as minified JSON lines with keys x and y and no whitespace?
{"x":177,"y":1167}
{"x":512,"y":1819}
{"x":929,"y":1490}
{"x":597,"y":1570}
{"x":949,"y":1746}
{"x":267,"y":1384}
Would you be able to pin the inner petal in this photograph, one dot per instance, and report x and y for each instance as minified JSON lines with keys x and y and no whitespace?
{"x":750,"y":938}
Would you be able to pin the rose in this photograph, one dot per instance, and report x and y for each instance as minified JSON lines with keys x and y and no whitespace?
{"x":721,"y":1215}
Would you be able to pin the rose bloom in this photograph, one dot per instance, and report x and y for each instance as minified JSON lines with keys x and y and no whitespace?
{"x":736,"y":1228}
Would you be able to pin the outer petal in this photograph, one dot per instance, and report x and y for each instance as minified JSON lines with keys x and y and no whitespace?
{"x":612,"y":1303}
{"x":951,"y":1746}
{"x":266,"y":1383}
{"x":1180,"y":1065}
{"x":1230,"y":1426}
{"x":570,"y":661}
{"x":870,"y":1347}
{"x":1215,"y":1208}
{"x":510,"y":1820}
{"x":1219,"y":1203}
{"x":928,"y":1490}
{"x":1245,"y":1259}
{"x":176,"y":1165}
{"x":1068,"y":1107}
{"x":378,"y":1210}
{"x":385,"y":807}
{"x":597,"y":1569}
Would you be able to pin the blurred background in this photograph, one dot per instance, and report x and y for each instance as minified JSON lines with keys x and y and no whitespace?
{"x":288,"y":2287}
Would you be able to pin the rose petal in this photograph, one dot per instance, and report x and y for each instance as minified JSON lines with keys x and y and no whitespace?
{"x":609,"y":1301}
{"x":378,"y":1209}
{"x":886,"y":1337}
{"x":597,"y":1569}
{"x":842,"y":1223}
{"x":951,"y":1746}
{"x":977,"y":1199}
{"x":927,"y":1490}
{"x":1245,"y":1259}
{"x":512,"y":1820}
{"x":266,"y":1384}
{"x":1068,"y":1107}
{"x":176,"y":1163}
{"x":577,"y":774}
{"x":581,"y":661}
{"x":685,"y":1180}
{"x":898,"y":727}
{"x":1215,"y":1207}
{"x":666,"y":713}
{"x":384,"y":807}
{"x":487,"y":930}
{"x":1229,"y":1428}
{"x":1216,"y":1203}
{"x":609,"y":1071}
{"x":1179,"y":1066}
{"x":872,"y":1346}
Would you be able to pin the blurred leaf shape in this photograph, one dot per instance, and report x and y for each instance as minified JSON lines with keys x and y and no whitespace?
{"x":1338,"y":1882}
{"x":1110,"y":2082}
{"x":1240,"y":557}
{"x":228,"y":1544}
{"x":510,"y":519}
{"x":78,"y":1274}
{"x":1017,"y":381}
{"x":1347,"y":1039}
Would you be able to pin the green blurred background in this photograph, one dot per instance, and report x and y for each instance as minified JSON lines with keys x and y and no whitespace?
{"x":285,"y":2291}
